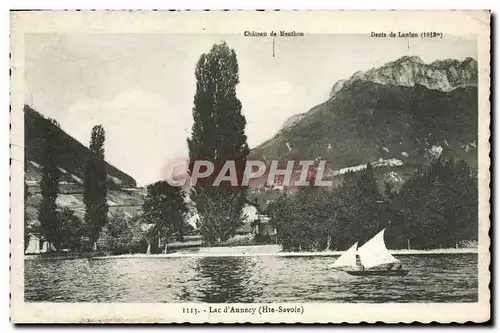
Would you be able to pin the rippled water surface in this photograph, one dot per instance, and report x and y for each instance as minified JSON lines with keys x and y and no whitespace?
{"x":432,"y":278}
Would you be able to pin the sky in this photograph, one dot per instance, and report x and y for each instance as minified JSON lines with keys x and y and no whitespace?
{"x":140,"y":87}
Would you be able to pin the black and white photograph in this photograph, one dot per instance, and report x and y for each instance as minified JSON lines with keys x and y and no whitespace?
{"x":254,"y":172}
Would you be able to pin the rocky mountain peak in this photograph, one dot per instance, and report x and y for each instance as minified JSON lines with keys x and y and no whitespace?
{"x":410,"y":59}
{"x":443,"y":75}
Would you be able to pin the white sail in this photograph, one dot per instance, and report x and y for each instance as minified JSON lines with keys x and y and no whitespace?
{"x":348,"y":258}
{"x":374,"y":252}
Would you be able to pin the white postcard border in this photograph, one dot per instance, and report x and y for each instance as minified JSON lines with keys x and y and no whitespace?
{"x":235,"y":22}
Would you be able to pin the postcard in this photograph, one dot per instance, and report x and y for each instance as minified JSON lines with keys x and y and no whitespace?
{"x":250,"y":166}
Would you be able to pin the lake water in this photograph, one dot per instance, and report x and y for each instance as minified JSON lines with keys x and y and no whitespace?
{"x":432,"y":278}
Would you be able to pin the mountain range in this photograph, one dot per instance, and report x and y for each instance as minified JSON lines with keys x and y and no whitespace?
{"x":398,"y":117}
{"x":406,"y":111}
{"x":408,"y":71}
{"x":122,"y":191}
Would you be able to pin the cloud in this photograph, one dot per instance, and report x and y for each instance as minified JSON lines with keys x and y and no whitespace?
{"x":142,"y":131}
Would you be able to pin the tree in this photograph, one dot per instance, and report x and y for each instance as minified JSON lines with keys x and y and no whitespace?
{"x":95,"y":190}
{"x":438,"y":207}
{"x":312,"y":218}
{"x":165,"y":208}
{"x":218,"y":216}
{"x":346,"y":222}
{"x":72,"y":229}
{"x":218,"y":135}
{"x":368,"y":201}
{"x":49,"y":186}
{"x":360,"y":209}
{"x":118,"y":233}
{"x":464,"y":195}
{"x":26,"y":197}
{"x":304,"y":218}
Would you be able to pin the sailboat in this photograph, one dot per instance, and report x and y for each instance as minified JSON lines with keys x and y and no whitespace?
{"x":374,"y":256}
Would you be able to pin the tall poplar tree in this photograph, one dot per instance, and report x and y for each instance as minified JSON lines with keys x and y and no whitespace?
{"x":95,"y":190}
{"x":49,"y":186}
{"x":218,"y":135}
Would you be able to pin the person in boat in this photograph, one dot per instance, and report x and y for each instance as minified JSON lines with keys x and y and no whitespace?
{"x":358,"y":262}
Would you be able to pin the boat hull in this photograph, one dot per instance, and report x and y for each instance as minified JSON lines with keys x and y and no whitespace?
{"x":378,"y":273}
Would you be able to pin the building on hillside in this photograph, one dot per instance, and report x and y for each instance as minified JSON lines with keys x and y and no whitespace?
{"x":255,"y":223}
{"x":249,"y":213}
{"x":37,"y":244}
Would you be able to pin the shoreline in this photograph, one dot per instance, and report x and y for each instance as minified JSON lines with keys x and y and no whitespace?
{"x":284,"y":254}
{"x":244,"y":251}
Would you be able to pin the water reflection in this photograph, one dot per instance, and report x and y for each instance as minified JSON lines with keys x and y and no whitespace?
{"x":58,"y":280}
{"x":229,"y":279}
{"x":432,"y":278}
